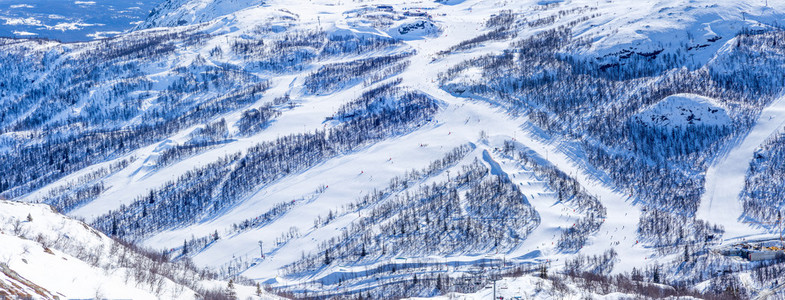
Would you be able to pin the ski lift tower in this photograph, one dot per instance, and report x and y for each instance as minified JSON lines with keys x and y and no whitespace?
{"x":495,"y":277}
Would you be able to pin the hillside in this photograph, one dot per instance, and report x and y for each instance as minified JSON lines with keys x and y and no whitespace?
{"x":38,"y":242}
{"x":67,"y":21}
{"x":411,"y":149}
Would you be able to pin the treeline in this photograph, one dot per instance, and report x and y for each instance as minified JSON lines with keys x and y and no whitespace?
{"x":595,"y":264}
{"x":415,"y":278}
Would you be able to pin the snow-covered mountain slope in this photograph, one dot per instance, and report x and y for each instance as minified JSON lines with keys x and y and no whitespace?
{"x":70,"y":21}
{"x":184,"y":12}
{"x":45,"y":255}
{"x":406,"y":148}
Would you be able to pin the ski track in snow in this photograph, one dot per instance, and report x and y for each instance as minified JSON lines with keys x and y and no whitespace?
{"x":720,"y":203}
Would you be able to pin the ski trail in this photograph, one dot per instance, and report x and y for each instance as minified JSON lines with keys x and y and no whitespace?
{"x":619,"y":231}
{"x":725,"y":179}
{"x":554,"y":215}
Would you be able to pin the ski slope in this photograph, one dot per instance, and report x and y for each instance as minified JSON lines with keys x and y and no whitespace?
{"x":720,"y":203}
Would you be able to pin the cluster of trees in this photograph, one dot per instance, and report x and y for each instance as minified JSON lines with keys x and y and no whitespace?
{"x":646,"y":284}
{"x":769,"y":274}
{"x":267,"y":217}
{"x":667,"y":231}
{"x":256,"y":119}
{"x":210,"y":135}
{"x":596,"y":264}
{"x":764,"y":184}
{"x":506,"y":25}
{"x":504,"y":18}
{"x":501,"y":33}
{"x":201,"y":138}
{"x":338,"y":44}
{"x":378,"y":99}
{"x":368,"y":100}
{"x":415,"y":278}
{"x":399,"y":184}
{"x":288,"y":51}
